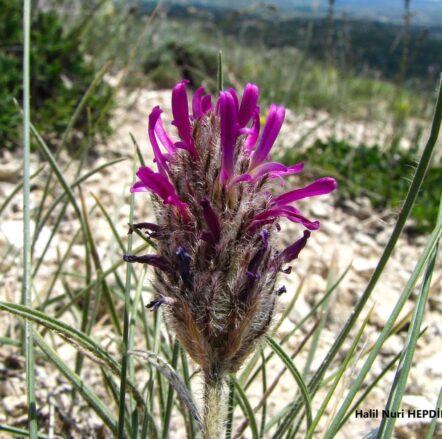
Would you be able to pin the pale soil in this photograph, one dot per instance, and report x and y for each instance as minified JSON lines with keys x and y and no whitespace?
{"x":353,"y":233}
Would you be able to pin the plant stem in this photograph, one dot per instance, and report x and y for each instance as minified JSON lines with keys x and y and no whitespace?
{"x":27,"y":280}
{"x":214,"y":408}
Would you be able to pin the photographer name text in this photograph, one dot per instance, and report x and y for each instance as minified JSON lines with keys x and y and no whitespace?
{"x":410,"y":413}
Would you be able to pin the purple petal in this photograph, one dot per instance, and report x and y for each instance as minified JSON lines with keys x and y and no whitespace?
{"x":234,"y":95}
{"x":164,"y":137}
{"x":254,"y":133}
{"x":322,"y":186}
{"x":160,"y":160}
{"x":292,"y":251}
{"x":269,"y":135}
{"x":197,"y":109}
{"x":276,"y":169}
{"x":228,"y":115}
{"x":154,"y":260}
{"x":206,"y":104}
{"x":139,"y":186}
{"x":212,"y":220}
{"x":156,"y":303}
{"x":248,"y":104}
{"x":281,"y":290}
{"x":288,"y":212}
{"x":180,"y":111}
{"x":184,"y":260}
{"x":240,"y":178}
{"x":161,"y":186}
{"x":255,"y":262}
{"x":151,"y":229}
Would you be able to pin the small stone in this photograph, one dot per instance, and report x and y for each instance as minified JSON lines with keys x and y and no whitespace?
{"x":393,"y":345}
{"x":418,"y":401}
{"x":319,"y":210}
{"x":9,"y":172}
{"x":364,"y":266}
{"x":14,"y":405}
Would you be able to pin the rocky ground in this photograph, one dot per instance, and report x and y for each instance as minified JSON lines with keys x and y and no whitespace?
{"x":352,"y":233}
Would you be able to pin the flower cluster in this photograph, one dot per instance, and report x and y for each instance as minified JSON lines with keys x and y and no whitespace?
{"x":216,"y":266}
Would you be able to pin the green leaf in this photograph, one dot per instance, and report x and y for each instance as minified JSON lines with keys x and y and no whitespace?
{"x":99,"y":407}
{"x":296,"y":375}
{"x":246,"y":408}
{"x":174,"y":379}
{"x":400,"y":380}
{"x":72,"y":336}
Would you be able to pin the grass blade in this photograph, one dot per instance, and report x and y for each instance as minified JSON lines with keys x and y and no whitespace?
{"x":433,"y":423}
{"x":92,"y":399}
{"x":264,"y":391}
{"x":17,"y":189}
{"x":338,"y":377}
{"x":172,"y":377}
{"x":27,"y":287}
{"x":220,"y":74}
{"x":169,"y":402}
{"x":186,"y":377}
{"x":20,"y":432}
{"x":276,"y":380}
{"x":410,"y":199}
{"x":386,"y":330}
{"x":72,"y":336}
{"x":371,"y":386}
{"x":404,"y":366}
{"x":296,"y":375}
{"x":125,"y":364}
{"x":246,"y":408}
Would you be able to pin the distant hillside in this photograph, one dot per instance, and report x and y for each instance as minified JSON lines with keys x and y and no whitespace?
{"x":425,"y":12}
{"x":367,"y":46}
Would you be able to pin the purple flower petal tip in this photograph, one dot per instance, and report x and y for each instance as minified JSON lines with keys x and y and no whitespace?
{"x":271,"y":130}
{"x":248,"y":105}
{"x":321,"y":186}
{"x":292,"y":252}
{"x":228,"y":119}
{"x":180,"y":112}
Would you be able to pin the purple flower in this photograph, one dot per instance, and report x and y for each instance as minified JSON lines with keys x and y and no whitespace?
{"x":201,"y":103}
{"x":319,"y":187}
{"x":160,"y":158}
{"x":269,"y":135}
{"x":160,"y":186}
{"x":291,"y":252}
{"x":248,"y":105}
{"x":180,"y":111}
{"x":218,"y":212}
{"x":228,"y":113}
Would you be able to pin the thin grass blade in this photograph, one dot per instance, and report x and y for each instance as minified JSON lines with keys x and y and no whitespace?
{"x":386,"y":331}
{"x":246,"y":408}
{"x":410,"y":199}
{"x":400,"y":380}
{"x":296,"y":375}
{"x":99,"y":407}
{"x":26,"y":283}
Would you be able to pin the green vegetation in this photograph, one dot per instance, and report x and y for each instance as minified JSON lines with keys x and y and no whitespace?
{"x":61,"y":75}
{"x":380,"y":174}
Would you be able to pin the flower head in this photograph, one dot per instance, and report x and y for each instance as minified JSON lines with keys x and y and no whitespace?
{"x":217,"y":267}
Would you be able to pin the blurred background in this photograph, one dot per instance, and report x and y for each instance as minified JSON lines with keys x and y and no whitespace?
{"x":359,"y":80}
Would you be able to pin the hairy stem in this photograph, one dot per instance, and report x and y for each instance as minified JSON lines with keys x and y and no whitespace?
{"x":214,"y":408}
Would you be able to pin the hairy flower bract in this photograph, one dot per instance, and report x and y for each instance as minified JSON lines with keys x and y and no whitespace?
{"x":217,"y":212}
